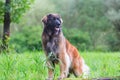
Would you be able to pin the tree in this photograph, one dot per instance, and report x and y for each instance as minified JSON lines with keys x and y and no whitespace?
{"x":113,"y":14}
{"x":6,"y":29}
{"x":11,"y":11}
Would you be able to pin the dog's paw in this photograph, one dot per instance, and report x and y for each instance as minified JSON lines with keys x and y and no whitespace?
{"x":49,"y":79}
{"x":60,"y":78}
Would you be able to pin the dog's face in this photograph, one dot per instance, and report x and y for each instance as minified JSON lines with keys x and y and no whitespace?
{"x":52,"y":22}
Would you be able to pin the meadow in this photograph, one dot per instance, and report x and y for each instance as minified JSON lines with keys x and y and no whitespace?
{"x":90,"y":25}
{"x":30,"y":65}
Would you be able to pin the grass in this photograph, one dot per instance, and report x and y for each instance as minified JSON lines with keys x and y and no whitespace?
{"x":30,"y":65}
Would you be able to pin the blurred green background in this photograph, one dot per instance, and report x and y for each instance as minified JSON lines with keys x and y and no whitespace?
{"x":90,"y":25}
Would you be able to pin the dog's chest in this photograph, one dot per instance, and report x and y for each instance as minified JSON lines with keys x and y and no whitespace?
{"x":52,"y":45}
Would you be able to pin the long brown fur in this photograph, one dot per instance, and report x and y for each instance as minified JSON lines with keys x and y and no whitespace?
{"x":63,"y":51}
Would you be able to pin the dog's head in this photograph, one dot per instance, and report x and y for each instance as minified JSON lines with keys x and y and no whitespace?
{"x":52,"y":22}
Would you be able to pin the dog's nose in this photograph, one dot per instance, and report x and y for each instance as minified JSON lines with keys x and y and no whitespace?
{"x":57,"y":22}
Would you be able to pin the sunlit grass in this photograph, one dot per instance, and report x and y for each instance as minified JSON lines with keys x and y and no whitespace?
{"x":103,"y":64}
{"x":30,"y":65}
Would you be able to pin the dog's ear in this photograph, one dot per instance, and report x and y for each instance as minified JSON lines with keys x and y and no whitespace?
{"x":44,"y":19}
{"x":61,"y":20}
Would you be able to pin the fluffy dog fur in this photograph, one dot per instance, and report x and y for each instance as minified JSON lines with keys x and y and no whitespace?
{"x":60,"y":50}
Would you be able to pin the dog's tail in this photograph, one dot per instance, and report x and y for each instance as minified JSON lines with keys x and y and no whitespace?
{"x":86,"y":70}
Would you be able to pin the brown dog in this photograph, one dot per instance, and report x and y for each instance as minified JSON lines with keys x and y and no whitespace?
{"x":58,"y":49}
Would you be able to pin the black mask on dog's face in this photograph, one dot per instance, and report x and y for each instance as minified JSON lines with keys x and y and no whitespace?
{"x":52,"y":23}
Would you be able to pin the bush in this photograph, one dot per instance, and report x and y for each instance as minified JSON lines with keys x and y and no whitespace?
{"x":86,"y":27}
{"x":28,"y":38}
{"x":78,"y":38}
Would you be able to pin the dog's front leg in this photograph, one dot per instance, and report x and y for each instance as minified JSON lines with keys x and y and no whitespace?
{"x":64,"y":66}
{"x":50,"y":71}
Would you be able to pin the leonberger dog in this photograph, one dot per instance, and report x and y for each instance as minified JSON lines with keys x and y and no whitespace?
{"x":59,"y":50}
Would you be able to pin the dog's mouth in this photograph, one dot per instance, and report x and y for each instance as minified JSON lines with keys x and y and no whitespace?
{"x":57,"y":28}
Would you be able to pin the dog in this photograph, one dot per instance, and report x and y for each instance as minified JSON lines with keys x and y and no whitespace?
{"x":59,"y":50}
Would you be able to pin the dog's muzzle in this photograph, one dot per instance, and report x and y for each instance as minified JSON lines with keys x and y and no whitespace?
{"x":57,"y":27}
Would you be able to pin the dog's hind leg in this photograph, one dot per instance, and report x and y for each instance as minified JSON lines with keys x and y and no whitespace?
{"x":77,"y":67}
{"x":77,"y":72}
{"x":81,"y":69}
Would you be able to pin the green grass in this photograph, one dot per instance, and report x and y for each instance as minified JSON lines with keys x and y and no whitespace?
{"x":30,"y":65}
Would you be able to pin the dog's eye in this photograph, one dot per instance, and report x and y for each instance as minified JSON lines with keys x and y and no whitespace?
{"x":54,"y":18}
{"x":57,"y":18}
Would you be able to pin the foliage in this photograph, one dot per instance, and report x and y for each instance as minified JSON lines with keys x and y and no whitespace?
{"x":1,"y":11}
{"x":0,"y":46}
{"x":29,"y":66}
{"x":11,"y":11}
{"x":113,"y":14}
{"x":89,"y":17}
{"x":17,"y":9}
{"x":80,"y":39}
{"x":87,"y":24}
{"x":28,"y":38}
